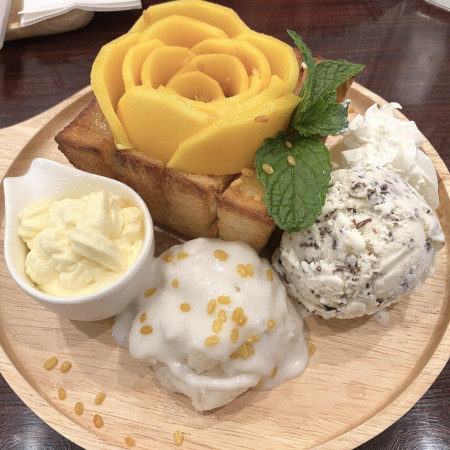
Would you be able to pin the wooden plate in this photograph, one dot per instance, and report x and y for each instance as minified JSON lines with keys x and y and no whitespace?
{"x":361,"y":378}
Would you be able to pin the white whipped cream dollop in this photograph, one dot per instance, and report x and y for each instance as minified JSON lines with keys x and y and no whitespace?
{"x":379,"y":138}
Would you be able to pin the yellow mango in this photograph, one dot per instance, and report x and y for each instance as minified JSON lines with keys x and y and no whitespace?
{"x":181,"y":31}
{"x":162,"y":63}
{"x":156,"y":122}
{"x":230,"y":144}
{"x":107,"y":82}
{"x":134,"y":58}
{"x":281,"y":56}
{"x":254,"y":60}
{"x":216,"y":15}
{"x":196,"y":86}
{"x":229,"y":71}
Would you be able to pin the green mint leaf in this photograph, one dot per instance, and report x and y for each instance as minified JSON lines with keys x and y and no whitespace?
{"x":295,"y":194}
{"x":324,"y":118}
{"x":329,"y":75}
{"x":308,"y":59}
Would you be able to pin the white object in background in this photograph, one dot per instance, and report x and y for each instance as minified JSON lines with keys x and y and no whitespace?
{"x":35,"y":11}
{"x":5,"y":8}
{"x":442,"y":3}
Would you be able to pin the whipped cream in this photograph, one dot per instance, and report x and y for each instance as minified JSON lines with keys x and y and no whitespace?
{"x":78,"y":246}
{"x":379,"y":138}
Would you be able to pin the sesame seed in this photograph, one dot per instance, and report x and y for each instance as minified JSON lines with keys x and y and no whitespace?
{"x":221,"y":255}
{"x":178,"y":437}
{"x":146,"y":329}
{"x":175,"y":283}
{"x":261,"y":119}
{"x":311,"y":349}
{"x":65,"y":367}
{"x":243,"y":351}
{"x":167,"y":258}
{"x":288,"y":144}
{"x":51,"y":363}
{"x":250,"y":349}
{"x":182,"y":255}
{"x":224,"y":299}
{"x":260,"y":382}
{"x":291,"y":160}
{"x":249,"y":269}
{"x":242,"y":321}
{"x":217,"y":326}
{"x":146,"y":15}
{"x":235,"y":355}
{"x":99,"y":398}
{"x":253,"y":338}
{"x":200,"y":67}
{"x":130,"y":441}
{"x":241,"y":270}
{"x":211,"y":306}
{"x":142,"y":317}
{"x":222,"y":315}
{"x":150,"y":292}
{"x":267,"y":168}
{"x":272,"y":323}
{"x":79,"y":408}
{"x":62,"y":393}
{"x":237,"y":314}
{"x":269,"y":274}
{"x":108,"y":323}
{"x":234,"y":336}
{"x":98,"y":421}
{"x":212,"y":340}
{"x":185,"y":307}
{"x":274,"y":372}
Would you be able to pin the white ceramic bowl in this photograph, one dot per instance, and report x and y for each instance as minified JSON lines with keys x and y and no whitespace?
{"x":48,"y":179}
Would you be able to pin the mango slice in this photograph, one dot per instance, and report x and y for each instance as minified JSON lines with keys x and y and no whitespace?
{"x":227,"y":70}
{"x":196,"y":86}
{"x":182,"y":31}
{"x":162,"y":63}
{"x":134,"y":58}
{"x":192,"y":86}
{"x":108,"y":85}
{"x":254,"y":60}
{"x":281,"y":56}
{"x":223,"y":147}
{"x":211,"y":13}
{"x":156,"y":122}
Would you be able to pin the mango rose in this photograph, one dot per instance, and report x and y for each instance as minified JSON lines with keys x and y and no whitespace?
{"x":192,"y":86}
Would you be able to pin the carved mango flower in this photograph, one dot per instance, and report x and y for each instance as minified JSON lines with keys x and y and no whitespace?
{"x":192,"y":86}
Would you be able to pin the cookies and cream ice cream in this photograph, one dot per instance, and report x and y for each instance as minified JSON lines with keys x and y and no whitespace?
{"x":214,"y":321}
{"x":379,"y":138}
{"x":375,"y":241}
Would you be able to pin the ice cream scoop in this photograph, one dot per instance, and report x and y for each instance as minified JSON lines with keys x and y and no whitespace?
{"x":375,"y":241}
{"x":214,"y":321}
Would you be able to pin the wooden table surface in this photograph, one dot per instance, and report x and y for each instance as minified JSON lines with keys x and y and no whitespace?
{"x":404,"y":45}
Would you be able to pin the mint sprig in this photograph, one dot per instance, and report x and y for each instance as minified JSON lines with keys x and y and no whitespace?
{"x":301,"y":174}
{"x":295,"y":169}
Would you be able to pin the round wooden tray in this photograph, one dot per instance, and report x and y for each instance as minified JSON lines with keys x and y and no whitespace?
{"x":361,"y":378}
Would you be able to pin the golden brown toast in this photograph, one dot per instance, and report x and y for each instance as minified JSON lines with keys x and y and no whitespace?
{"x":226,"y":206}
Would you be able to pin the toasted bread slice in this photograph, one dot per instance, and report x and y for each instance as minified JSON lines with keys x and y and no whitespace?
{"x":226,"y":206}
